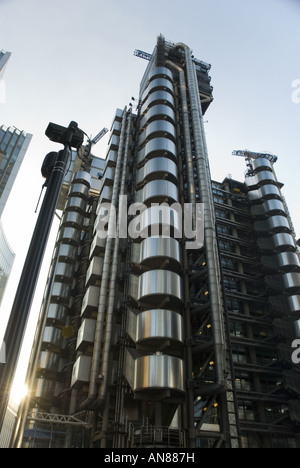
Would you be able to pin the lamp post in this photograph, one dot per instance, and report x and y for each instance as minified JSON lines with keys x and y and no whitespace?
{"x":70,"y":137}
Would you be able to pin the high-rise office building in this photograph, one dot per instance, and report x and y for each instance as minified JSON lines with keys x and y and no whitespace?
{"x":13,"y":146}
{"x":4,"y":57}
{"x":149,"y":337}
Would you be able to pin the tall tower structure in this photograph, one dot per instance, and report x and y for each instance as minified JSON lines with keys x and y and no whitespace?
{"x":145,"y":340}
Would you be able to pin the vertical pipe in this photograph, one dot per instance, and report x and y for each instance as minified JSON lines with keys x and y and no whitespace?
{"x":15,"y":330}
{"x":105,"y":277}
{"x":209,"y":224}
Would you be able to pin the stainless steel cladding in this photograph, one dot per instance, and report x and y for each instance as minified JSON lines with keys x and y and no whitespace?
{"x":154,"y":324}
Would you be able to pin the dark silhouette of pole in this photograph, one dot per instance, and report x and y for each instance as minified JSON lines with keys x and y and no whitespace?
{"x":15,"y":330}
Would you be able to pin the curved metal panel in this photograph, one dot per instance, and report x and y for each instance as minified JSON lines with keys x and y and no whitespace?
{"x":156,"y":84}
{"x":64,"y":272}
{"x":158,"y":147}
{"x":291,"y":282}
{"x":155,"y":283}
{"x":160,"y":372}
{"x":259,"y":179}
{"x":158,"y":111}
{"x":294,"y":305}
{"x":157,"y":191}
{"x":158,"y":128}
{"x":267,"y":192}
{"x":57,"y":313}
{"x":268,"y":208}
{"x":66,"y":253}
{"x":76,"y":204}
{"x":274,"y":224}
{"x":278,"y":242}
{"x":160,"y":71}
{"x":61,"y":293}
{"x":156,"y":216}
{"x":79,"y":190}
{"x":155,"y":249}
{"x":282,"y":262}
{"x":51,"y":336}
{"x":261,"y":164}
{"x":69,"y":236}
{"x":44,"y":389}
{"x":157,"y":168}
{"x":48,"y":361}
{"x":73,"y":219}
{"x":82,"y":177}
{"x":158,"y":97}
{"x":155,"y":323}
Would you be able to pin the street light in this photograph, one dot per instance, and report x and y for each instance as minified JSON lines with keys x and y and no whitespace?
{"x":70,"y":137}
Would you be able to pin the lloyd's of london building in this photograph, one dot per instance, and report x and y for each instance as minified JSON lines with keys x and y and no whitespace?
{"x":145,"y":343}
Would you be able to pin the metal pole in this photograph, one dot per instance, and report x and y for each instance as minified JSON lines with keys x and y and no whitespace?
{"x":15,"y":330}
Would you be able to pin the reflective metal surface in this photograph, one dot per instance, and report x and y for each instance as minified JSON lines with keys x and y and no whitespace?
{"x":79,"y":190}
{"x":273,"y":225}
{"x":158,"y":128}
{"x":156,"y":249}
{"x":158,"y":371}
{"x":284,"y":262}
{"x":51,"y":336}
{"x":156,"y":84}
{"x":158,"y":147}
{"x":157,"y":168}
{"x":64,"y":272}
{"x":48,"y":361}
{"x":294,"y":305}
{"x":259,"y":179}
{"x":265,"y":193}
{"x":278,"y":242}
{"x":291,"y":282}
{"x":90,"y":301}
{"x":66,"y":253}
{"x":268,"y":208}
{"x":69,"y":236}
{"x":158,"y":191}
{"x":160,"y":71}
{"x":76,"y":204}
{"x":81,"y":370}
{"x":86,"y":334}
{"x":155,"y":323}
{"x":158,"y":97}
{"x":82,"y":177}
{"x":156,"y":216}
{"x":61,"y":293}
{"x":261,"y":164}
{"x":158,"y":111}
{"x":57,"y":313}
{"x":159,"y":282}
{"x":73,"y":219}
{"x":94,"y":271}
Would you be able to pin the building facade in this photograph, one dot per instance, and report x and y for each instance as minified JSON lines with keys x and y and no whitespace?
{"x":4,"y":57}
{"x":143,"y":342}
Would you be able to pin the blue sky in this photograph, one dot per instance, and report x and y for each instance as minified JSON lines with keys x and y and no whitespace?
{"x":73,"y":60}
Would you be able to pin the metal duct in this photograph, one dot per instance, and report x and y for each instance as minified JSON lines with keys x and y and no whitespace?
{"x":214,"y":278}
